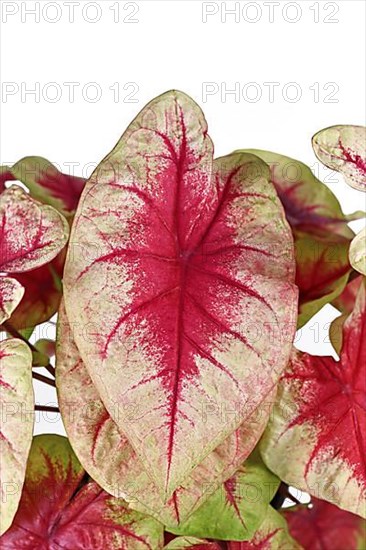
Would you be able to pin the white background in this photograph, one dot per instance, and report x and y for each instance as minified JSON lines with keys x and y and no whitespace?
{"x":119,"y":55}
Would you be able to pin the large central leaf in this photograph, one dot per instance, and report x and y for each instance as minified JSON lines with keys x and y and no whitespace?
{"x":184,"y":267}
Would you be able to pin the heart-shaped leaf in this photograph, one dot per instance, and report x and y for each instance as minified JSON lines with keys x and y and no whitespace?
{"x":16,"y":423}
{"x":110,"y":459}
{"x":236,"y":510}
{"x":343,"y":148}
{"x":61,"y":508}
{"x":172,"y":257}
{"x":323,"y":526}
{"x":11,"y":292}
{"x":31,"y":234}
{"x":320,"y":230}
{"x":357,"y":252}
{"x":47,"y":184}
{"x":272,"y":535}
{"x":316,"y":438}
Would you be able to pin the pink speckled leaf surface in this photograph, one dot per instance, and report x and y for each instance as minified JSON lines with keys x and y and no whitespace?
{"x":172,"y":256}
{"x":343,"y":148}
{"x":109,"y":458}
{"x":319,"y":420}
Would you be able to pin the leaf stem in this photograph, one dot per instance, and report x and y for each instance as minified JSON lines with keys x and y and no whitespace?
{"x":46,"y":408}
{"x":44,"y":379}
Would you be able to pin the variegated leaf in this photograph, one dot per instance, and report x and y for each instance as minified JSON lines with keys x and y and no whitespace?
{"x":109,"y":458}
{"x":323,"y":526}
{"x":31,"y":234}
{"x":320,"y":229}
{"x":272,"y":535}
{"x":316,"y":439}
{"x":62,"y":508}
{"x":237,"y":509}
{"x":172,"y":257}
{"x":343,"y":148}
{"x":357,"y":252}
{"x":16,"y":424}
{"x":11,"y":292}
{"x":46,"y":183}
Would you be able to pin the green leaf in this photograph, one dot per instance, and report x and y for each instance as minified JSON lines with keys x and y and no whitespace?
{"x":237,"y":508}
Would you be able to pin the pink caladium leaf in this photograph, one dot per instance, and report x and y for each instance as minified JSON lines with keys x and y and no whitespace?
{"x":46,"y":183}
{"x":61,"y":508}
{"x":323,"y":526}
{"x":31,"y":234}
{"x":320,"y":230}
{"x":343,"y":148}
{"x":345,"y":302}
{"x":42,"y":294}
{"x":172,"y":256}
{"x":272,"y":535}
{"x":11,"y":293}
{"x":316,"y":438}
{"x":357,"y":252}
{"x":16,"y":424}
{"x":109,"y":458}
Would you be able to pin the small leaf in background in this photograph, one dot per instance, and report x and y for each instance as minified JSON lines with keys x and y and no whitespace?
{"x":323,"y":526}
{"x":172,"y":256}
{"x":61,"y":508}
{"x":16,"y":424}
{"x":47,"y":184}
{"x":343,"y":148}
{"x":345,"y":302}
{"x":357,"y":252}
{"x":31,"y":234}
{"x":320,"y":230}
{"x":272,"y":535}
{"x":42,"y":296}
{"x":237,"y":508}
{"x":11,"y":293}
{"x":109,"y":458}
{"x":316,"y":438}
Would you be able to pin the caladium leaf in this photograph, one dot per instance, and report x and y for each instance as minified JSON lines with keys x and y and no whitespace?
{"x":110,"y":459}
{"x":357,"y":252}
{"x":31,"y":234}
{"x":180,"y":543}
{"x":42,"y":296}
{"x":16,"y":423}
{"x":345,"y":302}
{"x":170,"y":258}
{"x":11,"y":292}
{"x":61,"y":508}
{"x":310,"y":206}
{"x":343,"y":148}
{"x":47,"y":184}
{"x":5,"y":175}
{"x":323,"y":270}
{"x":320,"y":230}
{"x":323,"y":526}
{"x":237,"y":508}
{"x":316,"y":438}
{"x":272,"y":535}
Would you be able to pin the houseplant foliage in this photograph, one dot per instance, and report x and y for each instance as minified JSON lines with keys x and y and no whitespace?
{"x":179,"y":281}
